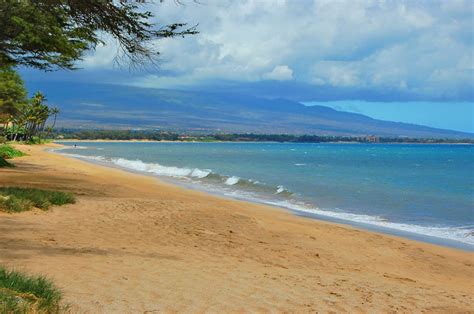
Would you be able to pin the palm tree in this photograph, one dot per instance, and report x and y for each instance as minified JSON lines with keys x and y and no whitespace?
{"x":36,"y":114}
{"x":53,"y":111}
{"x":31,"y":118}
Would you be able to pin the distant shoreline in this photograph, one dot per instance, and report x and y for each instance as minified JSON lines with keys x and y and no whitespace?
{"x":179,"y":141}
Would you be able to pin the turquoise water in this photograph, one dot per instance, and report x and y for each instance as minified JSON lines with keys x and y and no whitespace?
{"x":425,"y":190}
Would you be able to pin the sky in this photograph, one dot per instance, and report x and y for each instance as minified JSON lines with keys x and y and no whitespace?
{"x":437,"y":115}
{"x":380,"y":53}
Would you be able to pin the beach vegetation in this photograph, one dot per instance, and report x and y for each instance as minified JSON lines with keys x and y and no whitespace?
{"x":9,"y":152}
{"x":12,"y":92}
{"x":36,"y":140}
{"x":159,"y":135}
{"x":5,"y":164}
{"x":15,"y":199}
{"x":21,"y":293}
{"x":26,"y":120}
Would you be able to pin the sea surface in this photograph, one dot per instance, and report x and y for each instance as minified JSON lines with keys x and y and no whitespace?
{"x":424,"y":192}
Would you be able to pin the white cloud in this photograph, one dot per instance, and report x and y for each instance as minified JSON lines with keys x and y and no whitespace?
{"x":424,"y":47}
{"x":279,"y":73}
{"x":102,"y":57}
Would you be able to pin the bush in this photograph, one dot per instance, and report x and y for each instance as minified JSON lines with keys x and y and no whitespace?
{"x":4,"y":163}
{"x":13,"y":199}
{"x":12,"y":204}
{"x":36,"y":140}
{"x":8,"y":152}
{"x":20,"y":293}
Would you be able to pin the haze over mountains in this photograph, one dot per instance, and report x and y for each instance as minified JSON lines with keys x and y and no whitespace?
{"x":119,"y":106}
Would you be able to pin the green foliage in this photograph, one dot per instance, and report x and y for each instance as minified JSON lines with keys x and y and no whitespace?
{"x":21,"y":119}
{"x":29,"y":121}
{"x":120,"y":135}
{"x":49,"y":34}
{"x":12,"y":204}
{"x":8,"y":152}
{"x":14,"y":129}
{"x":36,"y":140}
{"x":20,"y":293}
{"x":12,"y":93}
{"x":13,"y":199}
{"x":5,"y":164}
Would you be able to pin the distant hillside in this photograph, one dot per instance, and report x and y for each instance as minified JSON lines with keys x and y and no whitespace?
{"x":114,"y":106}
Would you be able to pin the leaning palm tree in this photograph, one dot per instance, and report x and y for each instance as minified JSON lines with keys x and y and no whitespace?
{"x":53,"y":111}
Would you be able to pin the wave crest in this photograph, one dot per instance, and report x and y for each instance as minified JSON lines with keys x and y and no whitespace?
{"x":232,"y":180}
{"x":239,"y":186}
{"x":155,"y":168}
{"x":462,"y":234}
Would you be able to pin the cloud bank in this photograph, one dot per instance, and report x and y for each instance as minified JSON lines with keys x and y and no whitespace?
{"x":422,"y":48}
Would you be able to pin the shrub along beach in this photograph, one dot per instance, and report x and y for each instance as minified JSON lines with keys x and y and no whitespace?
{"x":24,"y":294}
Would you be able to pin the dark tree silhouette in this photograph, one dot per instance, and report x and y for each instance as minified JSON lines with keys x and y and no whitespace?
{"x":52,"y":34}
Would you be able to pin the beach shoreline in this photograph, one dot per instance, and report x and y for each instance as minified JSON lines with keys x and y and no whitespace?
{"x":260,"y":142}
{"x":185,"y":250}
{"x":312,"y":211}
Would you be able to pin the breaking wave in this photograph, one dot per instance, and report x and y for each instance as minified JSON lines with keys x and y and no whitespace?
{"x":232,"y":180}
{"x":462,"y":234}
{"x":260,"y":192}
{"x":190,"y":173}
{"x":160,"y":170}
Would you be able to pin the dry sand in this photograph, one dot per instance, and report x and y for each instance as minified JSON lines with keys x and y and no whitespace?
{"x":133,"y":244}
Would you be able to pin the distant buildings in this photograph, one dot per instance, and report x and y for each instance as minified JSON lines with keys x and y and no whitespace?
{"x":372,"y":139}
{"x":368,"y":139}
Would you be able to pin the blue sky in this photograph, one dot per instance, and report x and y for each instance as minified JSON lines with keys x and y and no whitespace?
{"x":386,"y":52}
{"x":457,"y":116}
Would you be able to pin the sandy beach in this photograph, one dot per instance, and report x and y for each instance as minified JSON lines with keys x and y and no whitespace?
{"x":134,"y":244}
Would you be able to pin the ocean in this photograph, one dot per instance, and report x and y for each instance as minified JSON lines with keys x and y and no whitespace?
{"x":422,"y":192}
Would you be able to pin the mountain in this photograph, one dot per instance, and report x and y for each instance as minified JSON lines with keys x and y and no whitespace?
{"x":118,"y":106}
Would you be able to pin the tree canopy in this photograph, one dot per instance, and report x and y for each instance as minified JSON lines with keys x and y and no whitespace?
{"x":51,"y":34}
{"x":12,"y":93}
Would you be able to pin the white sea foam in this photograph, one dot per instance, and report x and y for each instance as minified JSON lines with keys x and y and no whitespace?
{"x":232,"y":180}
{"x":280,"y":189}
{"x":299,"y":165}
{"x":154,"y":168}
{"x":198,"y":173}
{"x":96,"y":158}
{"x":460,"y":234}
{"x":157,"y":169}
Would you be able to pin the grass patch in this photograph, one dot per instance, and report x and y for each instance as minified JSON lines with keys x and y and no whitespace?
{"x":20,"y":293}
{"x":9,"y":152}
{"x":13,"y":199}
{"x":4,"y":163}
